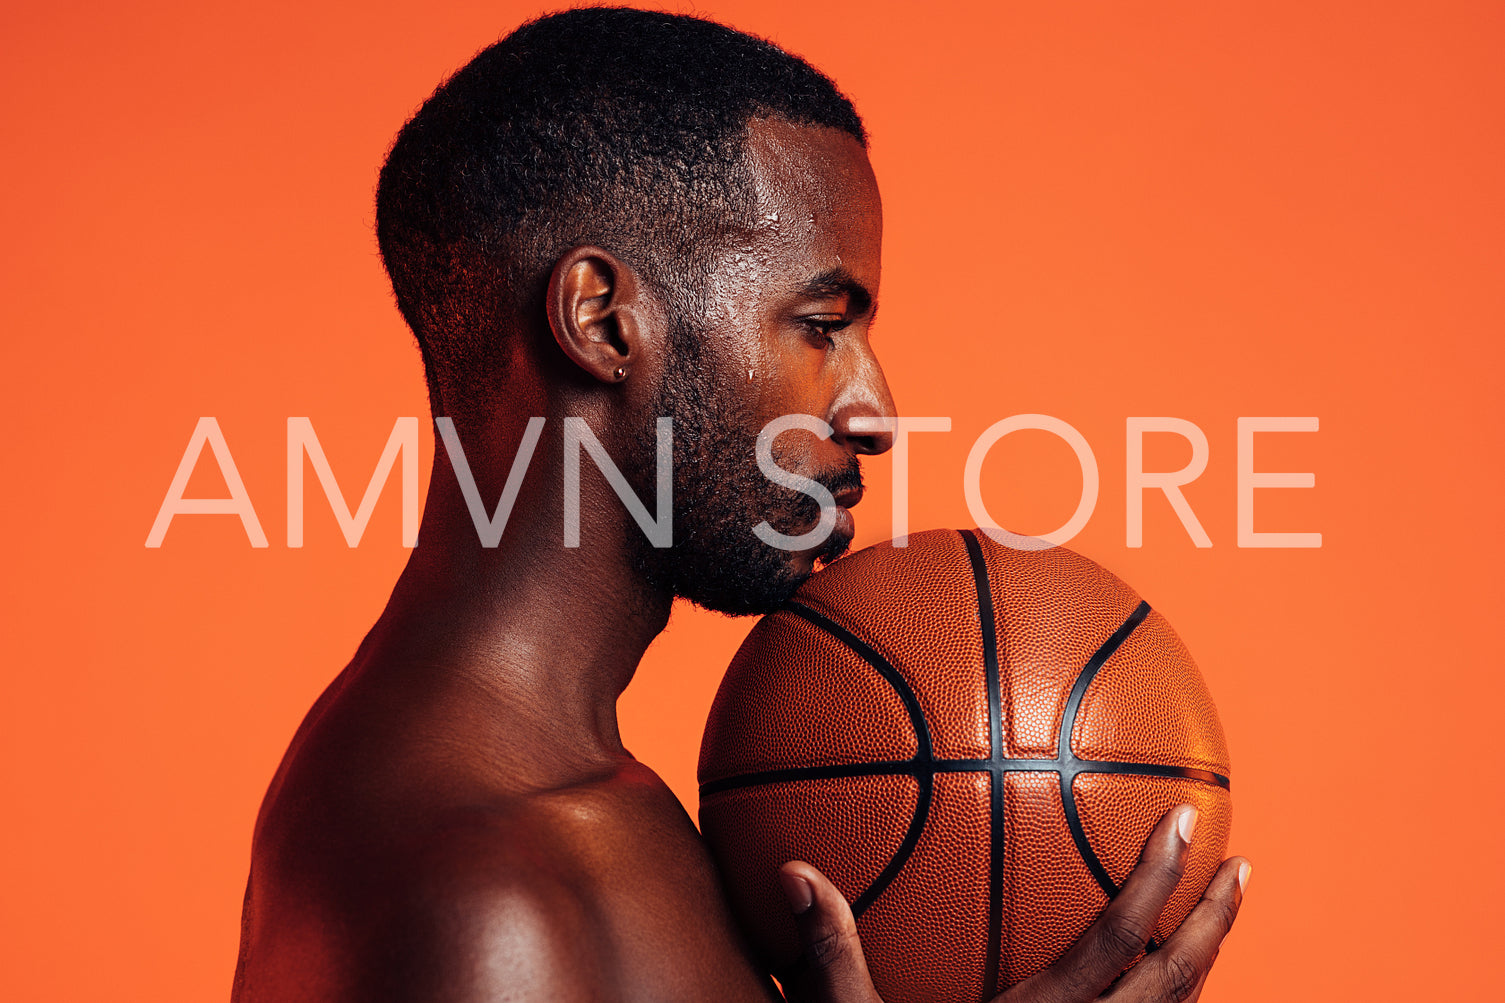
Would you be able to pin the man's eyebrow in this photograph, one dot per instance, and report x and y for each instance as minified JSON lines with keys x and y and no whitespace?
{"x":836,"y":281}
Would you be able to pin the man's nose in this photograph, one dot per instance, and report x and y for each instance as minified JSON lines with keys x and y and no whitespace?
{"x":864,"y":422}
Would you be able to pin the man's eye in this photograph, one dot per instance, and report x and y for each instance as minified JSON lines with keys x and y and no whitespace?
{"x":821,"y":330}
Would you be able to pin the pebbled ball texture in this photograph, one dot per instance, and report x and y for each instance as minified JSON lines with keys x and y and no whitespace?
{"x":906,"y":724}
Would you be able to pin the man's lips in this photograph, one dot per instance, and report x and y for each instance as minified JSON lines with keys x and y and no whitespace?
{"x":849,"y":497}
{"x":845,"y":524}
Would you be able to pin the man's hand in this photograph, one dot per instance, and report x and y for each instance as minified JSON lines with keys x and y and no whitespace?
{"x":834,"y":970}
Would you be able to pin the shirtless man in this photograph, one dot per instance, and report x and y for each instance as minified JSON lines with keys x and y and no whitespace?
{"x":611,"y":216}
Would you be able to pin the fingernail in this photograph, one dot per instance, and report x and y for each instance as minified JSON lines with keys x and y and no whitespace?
{"x":798,"y":891}
{"x":1243,"y":875}
{"x":1186,"y":824}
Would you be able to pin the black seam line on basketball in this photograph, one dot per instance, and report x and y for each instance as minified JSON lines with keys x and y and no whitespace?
{"x":1079,"y":836}
{"x":991,"y":963}
{"x":889,"y":768}
{"x":991,"y":680}
{"x":901,"y":855}
{"x":881,"y":665}
{"x":924,"y":775}
{"x":989,"y":640}
{"x":1070,"y":765}
{"x":908,"y":768}
{"x":1078,"y":766}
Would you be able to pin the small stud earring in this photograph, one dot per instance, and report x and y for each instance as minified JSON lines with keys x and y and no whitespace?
{"x":619,"y":373}
{"x":749,"y":375}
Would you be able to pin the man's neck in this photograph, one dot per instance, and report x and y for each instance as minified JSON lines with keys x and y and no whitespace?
{"x":549,"y":634}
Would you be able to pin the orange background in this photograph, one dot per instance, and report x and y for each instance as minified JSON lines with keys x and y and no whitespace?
{"x":1094,"y":211}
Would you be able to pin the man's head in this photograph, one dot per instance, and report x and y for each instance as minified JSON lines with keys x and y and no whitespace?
{"x":610,"y":191}
{"x":786,"y":334}
{"x":613,"y":127}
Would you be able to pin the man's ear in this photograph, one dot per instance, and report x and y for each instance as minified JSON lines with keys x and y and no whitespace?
{"x":597,"y":313}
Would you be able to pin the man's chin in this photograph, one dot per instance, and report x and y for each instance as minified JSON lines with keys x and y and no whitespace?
{"x":755,"y":583}
{"x":806,"y":562}
{"x":837,"y":544}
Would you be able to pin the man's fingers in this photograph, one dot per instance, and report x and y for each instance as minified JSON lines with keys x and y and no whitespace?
{"x":1177,"y":971}
{"x":1196,"y":993}
{"x":832,"y":969}
{"x":1117,"y":937}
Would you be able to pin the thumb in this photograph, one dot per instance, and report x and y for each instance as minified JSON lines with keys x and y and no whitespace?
{"x":832,"y":968}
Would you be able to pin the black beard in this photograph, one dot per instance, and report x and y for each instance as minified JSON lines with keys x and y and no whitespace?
{"x":720,"y":495}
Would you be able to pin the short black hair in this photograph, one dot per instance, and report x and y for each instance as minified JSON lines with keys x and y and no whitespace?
{"x":610,"y":126}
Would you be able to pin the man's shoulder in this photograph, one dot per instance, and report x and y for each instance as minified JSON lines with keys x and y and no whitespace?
{"x":531,"y":855}
{"x":479,"y":901}
{"x":594,"y":888}
{"x":539,"y":892}
{"x":534,"y":891}
{"x":488,"y":903}
{"x":520,"y":848}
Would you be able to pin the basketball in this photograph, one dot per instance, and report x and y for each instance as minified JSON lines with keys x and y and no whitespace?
{"x":972,"y":742}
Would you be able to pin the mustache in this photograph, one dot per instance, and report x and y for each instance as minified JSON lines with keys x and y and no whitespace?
{"x":790,"y":510}
{"x":847,"y":477}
